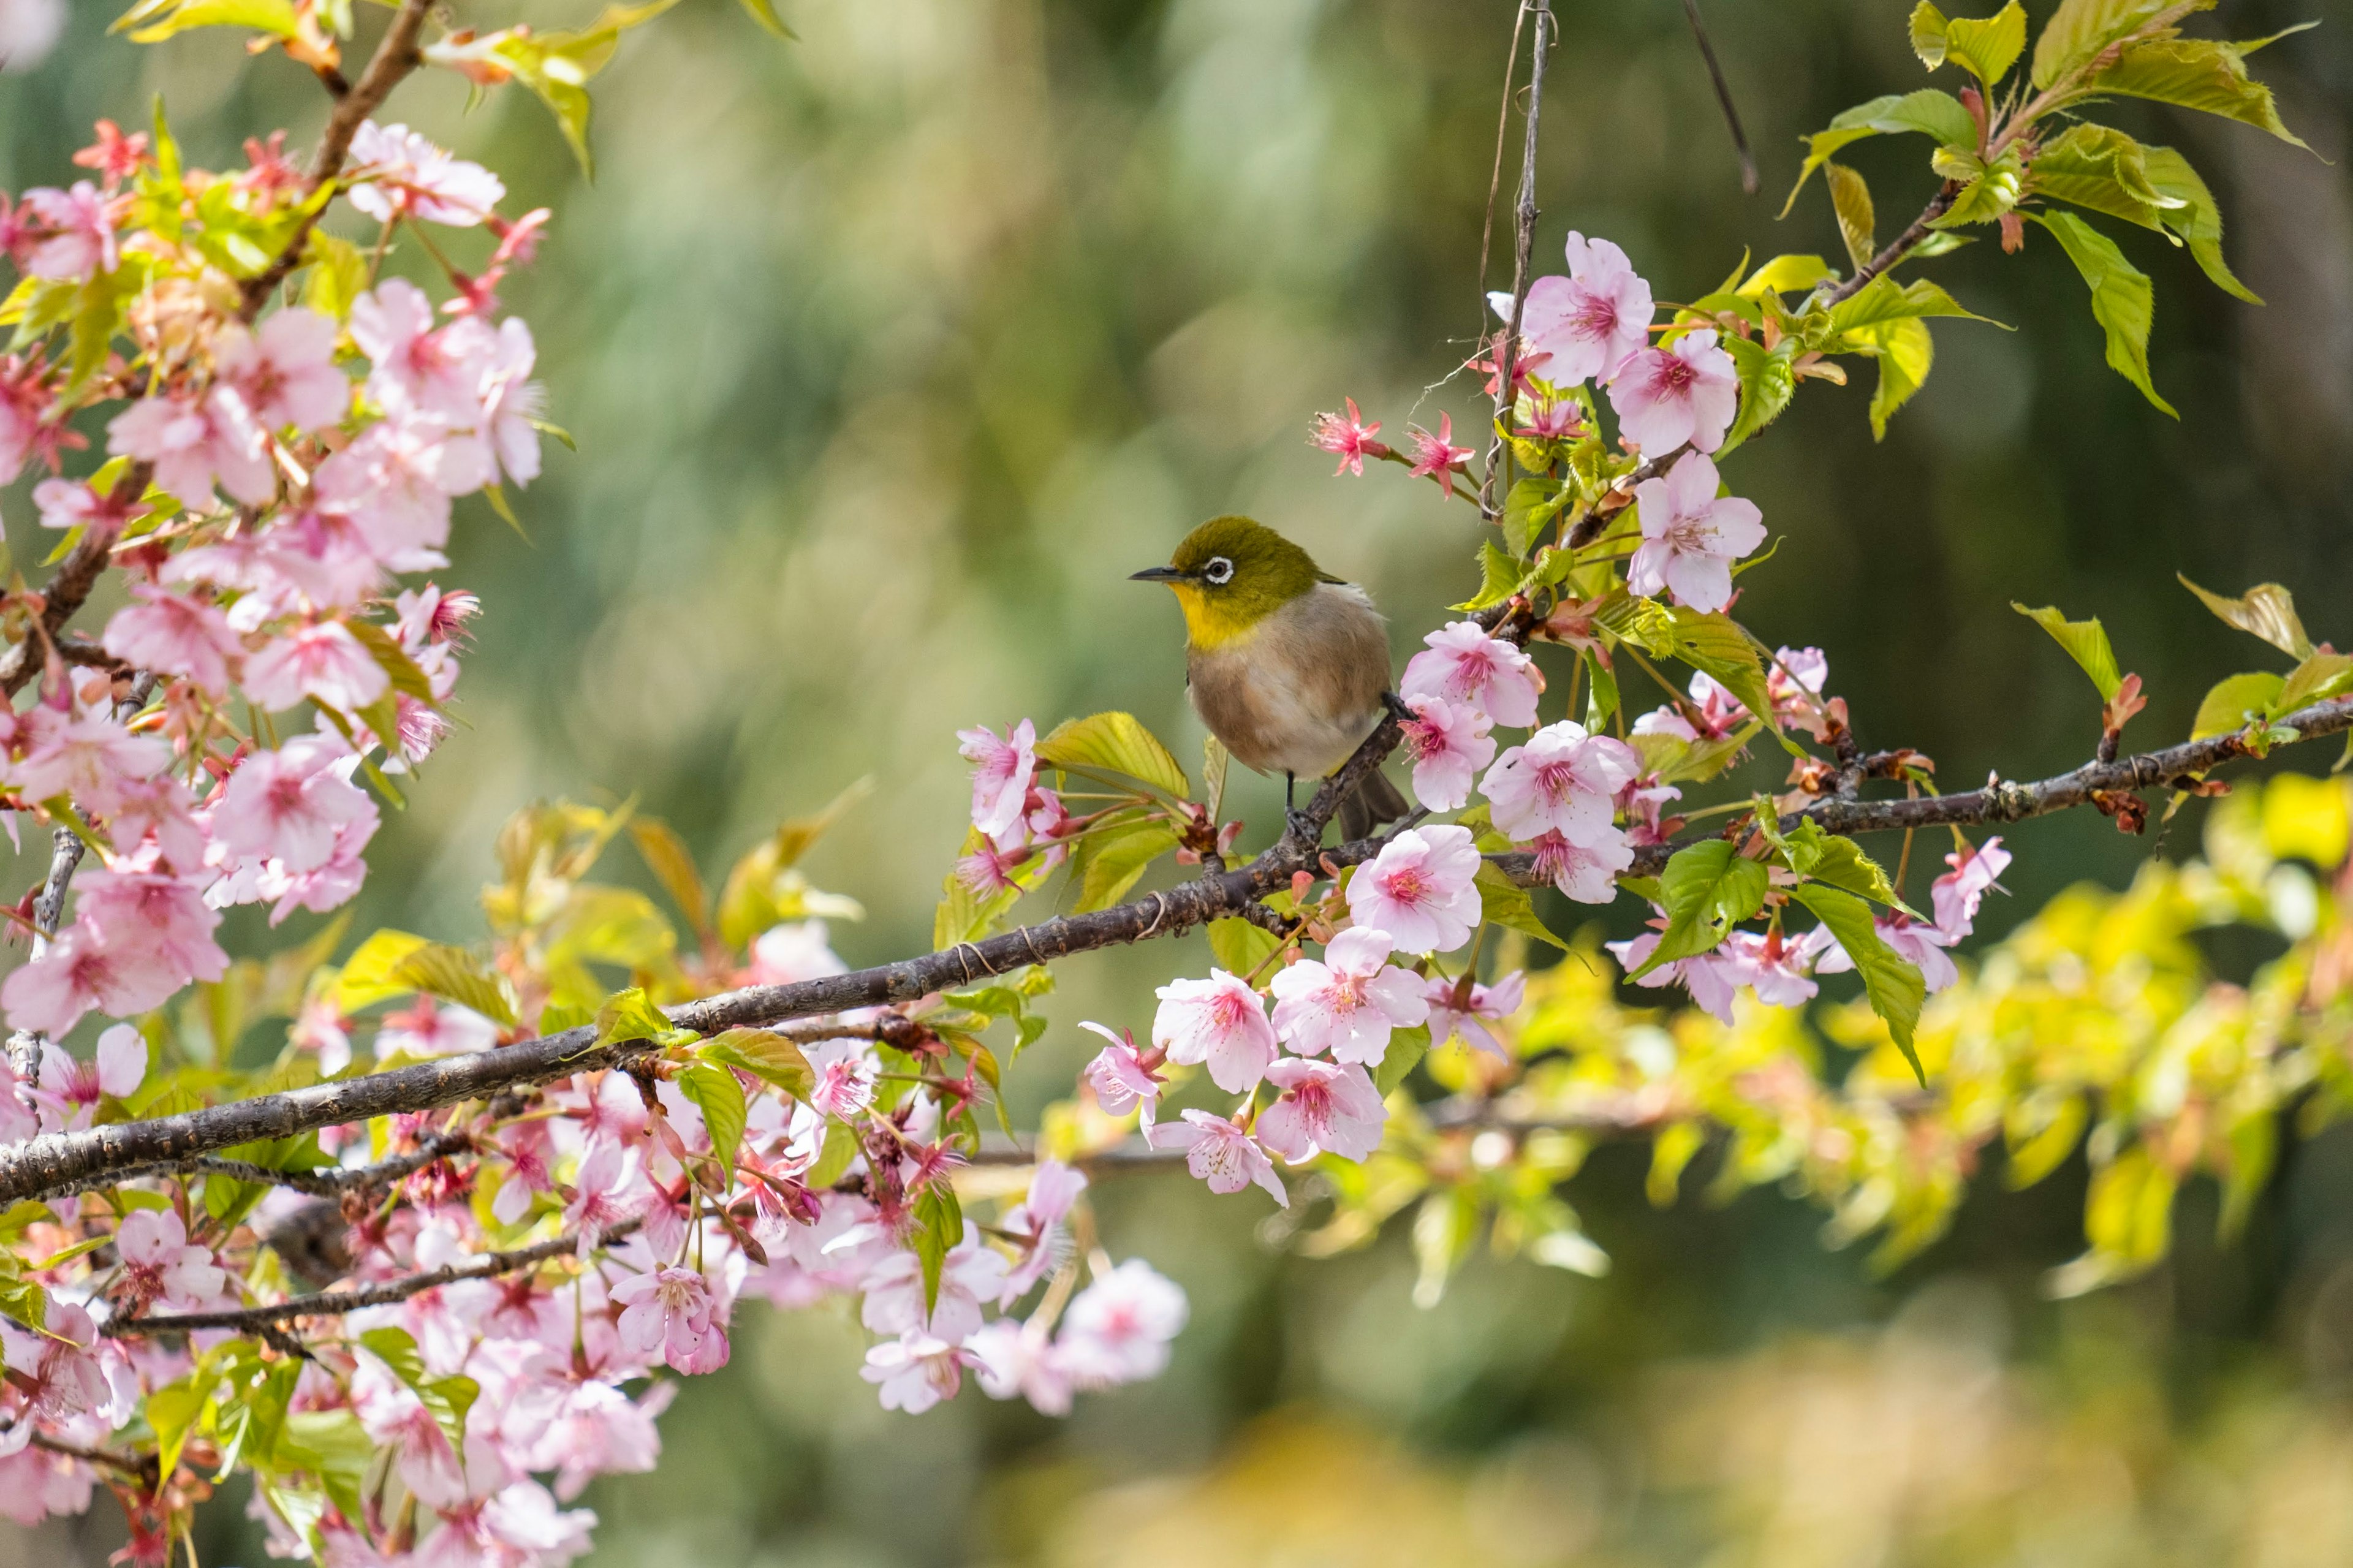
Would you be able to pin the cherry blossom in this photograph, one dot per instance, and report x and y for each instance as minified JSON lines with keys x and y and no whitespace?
{"x":1327,"y":1107}
{"x":290,"y":805}
{"x":1916,"y":943}
{"x":87,"y":758}
{"x":195,"y":441}
{"x":1220,"y":1153}
{"x":671,"y":1311}
{"x":70,"y":1089}
{"x":1465,"y":1013}
{"x":429,"y":1027}
{"x":159,"y":1261}
{"x":175,"y":635}
{"x":1955,"y":896}
{"x":71,"y":503}
{"x":82,"y":972}
{"x":1687,"y":391}
{"x":1794,"y":682}
{"x":972,"y":1276}
{"x":29,"y":29}
{"x":1563,"y":781}
{"x":55,"y":1372}
{"x":1119,"y":1328}
{"x":163,"y":918}
{"x":915,"y":1370}
{"x":1122,"y":1076}
{"x":1437,"y":456}
{"x":1220,"y":1021}
{"x":845,"y":1076}
{"x":606,"y":1190}
{"x":402,"y":174}
{"x":1690,"y":535}
{"x":1586,"y":872}
{"x":324,"y":662}
{"x":1591,"y":322}
{"x":1001,"y":775}
{"x":1038,"y":1217}
{"x":1347,"y":1002}
{"x":1449,"y":746}
{"x":1017,"y":1361}
{"x":1465,"y":667}
{"x":1714,"y":713}
{"x":285,"y":370}
{"x":1774,"y":969}
{"x":81,"y":238}
{"x":115,"y":156}
{"x":1711,"y":981}
{"x":1421,"y":891}
{"x":1349,"y":439}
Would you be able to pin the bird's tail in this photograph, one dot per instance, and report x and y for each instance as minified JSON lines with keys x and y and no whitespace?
{"x":1373,"y":803}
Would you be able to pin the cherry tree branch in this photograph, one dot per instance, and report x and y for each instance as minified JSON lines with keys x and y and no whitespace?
{"x":56,"y":1162}
{"x":1522,"y":249}
{"x":1902,"y":245}
{"x":330,"y":1303}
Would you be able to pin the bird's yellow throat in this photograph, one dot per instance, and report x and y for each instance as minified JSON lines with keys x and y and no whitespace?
{"x":1214,"y":620}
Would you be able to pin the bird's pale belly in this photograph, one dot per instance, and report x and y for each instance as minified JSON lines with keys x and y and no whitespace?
{"x":1299,"y":693}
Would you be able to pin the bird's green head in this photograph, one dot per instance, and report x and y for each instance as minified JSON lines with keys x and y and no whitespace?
{"x":1230,"y":573}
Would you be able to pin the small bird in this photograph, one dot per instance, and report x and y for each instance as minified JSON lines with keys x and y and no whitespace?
{"x":1287,"y":665}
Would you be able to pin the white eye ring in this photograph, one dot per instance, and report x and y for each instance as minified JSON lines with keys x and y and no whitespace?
{"x":1219,"y":571}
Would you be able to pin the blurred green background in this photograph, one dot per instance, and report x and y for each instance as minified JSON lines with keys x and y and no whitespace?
{"x":891,"y":351}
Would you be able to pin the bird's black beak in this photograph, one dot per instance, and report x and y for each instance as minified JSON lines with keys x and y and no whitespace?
{"x":1160,"y":575}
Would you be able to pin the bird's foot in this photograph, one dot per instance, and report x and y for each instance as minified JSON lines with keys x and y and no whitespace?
{"x":1398,"y":710}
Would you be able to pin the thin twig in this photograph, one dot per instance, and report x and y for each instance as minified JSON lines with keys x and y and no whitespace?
{"x":1496,"y":174}
{"x":1724,"y":96}
{"x":1899,"y":248}
{"x":1522,"y":251}
{"x":330,"y":1303}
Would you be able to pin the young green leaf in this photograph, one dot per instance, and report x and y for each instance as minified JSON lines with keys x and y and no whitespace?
{"x":939,"y":1228}
{"x":1713,"y":643}
{"x":2318,"y":678}
{"x":456,"y":975}
{"x":1929,"y":112}
{"x":2086,"y":643}
{"x":1892,"y":984}
{"x":1708,"y":888}
{"x":1928,"y":29}
{"x":1407,"y":1047}
{"x":2122,"y":300}
{"x":1503,"y":902}
{"x":2265,"y":610}
{"x":1858,"y":224}
{"x":2195,"y":218}
{"x":1113,"y":743}
{"x":1239,"y":946}
{"x":2100,"y":168}
{"x":2235,"y":701}
{"x":1768,"y":382}
{"x":629,"y":1016}
{"x":2080,"y":30}
{"x":1114,"y":860}
{"x":1986,"y":47}
{"x":2193,"y":73}
{"x":719,"y":1097}
{"x":1907,"y":351}
{"x":765,"y":1055}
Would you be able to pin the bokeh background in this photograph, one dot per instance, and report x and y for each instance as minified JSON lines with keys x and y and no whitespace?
{"x":890,"y":352}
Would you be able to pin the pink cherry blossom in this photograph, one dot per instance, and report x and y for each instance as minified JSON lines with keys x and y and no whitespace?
{"x":1774,"y":969}
{"x":1453,"y":1012}
{"x":420,"y":367}
{"x":1794,"y":681}
{"x":915,"y":1371}
{"x":1122,"y":1076}
{"x":71,"y":503}
{"x":79,"y":972}
{"x":792,"y":951}
{"x":81,"y":240}
{"x":164,"y":918}
{"x":70,"y":1089}
{"x":394,"y":482}
{"x":193,"y":442}
{"x":1347,"y":1002}
{"x":1955,"y":896}
{"x":1685,"y":391}
{"x":1437,"y":456}
{"x":1001,"y":775}
{"x":1035,"y":1224}
{"x":1447,"y":745}
{"x":1118,"y":1329}
{"x":1220,"y":1021}
{"x":1710,"y":979}
{"x":606,"y":1190}
{"x":1919,"y":945}
{"x":1015,"y":1361}
{"x":285,"y":372}
{"x":845,"y":1076}
{"x":1326,"y":1108}
{"x":1716,"y":710}
{"x":512,"y":402}
{"x":290,"y":805}
{"x":400,"y":172}
{"x":429,"y":1027}
{"x":670,"y":1310}
{"x":89,"y":758}
{"x":1563,"y":781}
{"x":1586,"y":872}
{"x":973,"y":1275}
{"x":1350,"y":439}
{"x":1465,"y":667}
{"x":323,"y":661}
{"x":174,"y":635}
{"x":55,"y":1372}
{"x":1421,"y":890}
{"x":158,"y":1261}
{"x":1220,"y":1153}
{"x":1690,"y":535}
{"x":1591,"y":322}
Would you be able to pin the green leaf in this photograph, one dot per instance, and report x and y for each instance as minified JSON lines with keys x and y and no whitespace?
{"x":1767,"y":385}
{"x":939,"y":1228}
{"x":1713,"y":643}
{"x":833,"y":1160}
{"x":963,"y":915}
{"x":2265,"y":610}
{"x":556,"y":65}
{"x":1113,"y":743}
{"x":2037,"y":1146}
{"x":1216,"y":762}
{"x":719,"y":1097}
{"x":1499,"y":577}
{"x":366,"y":975}
{"x":1986,"y":47}
{"x":629,"y":1016}
{"x":1532,"y":506}
{"x":445,"y":1399}
{"x":1907,"y":351}
{"x":2080,"y":30}
{"x":1892,"y":984}
{"x":456,"y":975}
{"x":1503,"y":902}
{"x":171,"y":1410}
{"x":1601,"y":691}
{"x":1883,"y":300}
{"x":1988,"y":191}
{"x":1838,"y":860}
{"x":2193,"y":73}
{"x":1115,"y":859}
{"x":2123,"y":301}
{"x":1239,"y":946}
{"x":2318,"y":678}
{"x":159,"y":19}
{"x":332,"y":1446}
{"x":765,"y":13}
{"x":765,"y":1055}
{"x":1928,"y":112}
{"x":1405,"y":1049}
{"x":1786,"y":274}
{"x":2197,"y":220}
{"x":672,"y":863}
{"x":1858,"y":224}
{"x":2235,"y":701}
{"x":1928,"y":29}
{"x":2100,"y":168}
{"x":339,"y":274}
{"x":2086,"y":643}
{"x":1707,"y":891}
{"x":406,"y":678}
